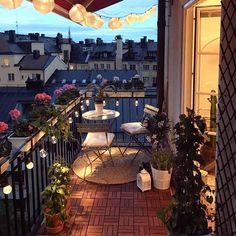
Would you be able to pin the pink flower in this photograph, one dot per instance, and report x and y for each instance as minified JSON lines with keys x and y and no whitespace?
{"x":14,"y":114}
{"x":42,"y":97}
{"x":30,"y":127}
{"x":69,"y":86}
{"x":58,"y":91}
{"x":3,"y":127}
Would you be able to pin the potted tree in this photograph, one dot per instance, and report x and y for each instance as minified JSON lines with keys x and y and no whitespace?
{"x":187,"y":214}
{"x":158,"y":127}
{"x":54,"y":198}
{"x":161,"y":166}
{"x":100,"y":93}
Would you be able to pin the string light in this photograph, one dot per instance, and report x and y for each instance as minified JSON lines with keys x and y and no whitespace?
{"x":104,"y":103}
{"x":70,"y":120}
{"x":117,"y":103}
{"x":82,"y":107}
{"x":11,"y":4}
{"x":78,"y":13}
{"x":53,"y":139}
{"x":44,"y":6}
{"x":87,"y":102}
{"x":99,"y":22}
{"x":76,"y":114}
{"x":7,"y":189}
{"x":43,"y":153}
{"x":29,"y":165}
{"x":136,"y":102}
{"x":115,"y":23}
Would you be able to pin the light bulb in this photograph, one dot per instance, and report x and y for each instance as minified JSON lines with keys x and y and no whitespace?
{"x":115,"y":23}
{"x":78,"y":13}
{"x":53,"y":139}
{"x":30,"y":165}
{"x":117,"y":103}
{"x":98,"y":23}
{"x":82,"y":107}
{"x":90,"y":19}
{"x":44,"y":6}
{"x":43,"y":153}
{"x":11,"y":4}
{"x":136,"y":102}
{"x":87,"y":102}
{"x":104,"y":103}
{"x":7,"y":189}
{"x":70,"y":120}
{"x":76,"y":114}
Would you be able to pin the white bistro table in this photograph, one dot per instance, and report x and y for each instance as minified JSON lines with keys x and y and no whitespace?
{"x":105,"y":115}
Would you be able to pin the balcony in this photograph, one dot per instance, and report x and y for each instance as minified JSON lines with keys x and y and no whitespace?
{"x":98,"y":209}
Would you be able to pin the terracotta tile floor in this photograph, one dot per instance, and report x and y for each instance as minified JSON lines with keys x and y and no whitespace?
{"x":109,"y":210}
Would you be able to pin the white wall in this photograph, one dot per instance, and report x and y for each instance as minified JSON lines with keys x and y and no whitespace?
{"x":5,"y":70}
{"x":37,"y":46}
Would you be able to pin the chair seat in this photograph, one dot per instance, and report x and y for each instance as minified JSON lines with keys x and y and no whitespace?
{"x":98,"y":139}
{"x":134,"y":128}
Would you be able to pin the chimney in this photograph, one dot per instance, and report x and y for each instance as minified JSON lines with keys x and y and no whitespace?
{"x":119,"y":52}
{"x":99,"y":41}
{"x":144,"y":42}
{"x":36,"y":54}
{"x":59,"y":39}
{"x":12,"y":36}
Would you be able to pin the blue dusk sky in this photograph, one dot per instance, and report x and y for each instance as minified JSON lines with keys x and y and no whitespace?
{"x":31,"y":21}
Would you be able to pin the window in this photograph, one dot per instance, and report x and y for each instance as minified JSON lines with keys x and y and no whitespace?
{"x":102,"y":66}
{"x":145,"y":79}
{"x":108,"y":66}
{"x":11,"y":77}
{"x":5,"y":62}
{"x":96,"y":66}
{"x":145,"y":67}
{"x":132,"y":67}
{"x":105,"y":55}
{"x":154,"y":67}
{"x":66,"y":56}
{"x":125,"y":66}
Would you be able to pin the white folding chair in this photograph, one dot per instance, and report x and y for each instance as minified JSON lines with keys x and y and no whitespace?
{"x":98,"y":140}
{"x":135,"y":129}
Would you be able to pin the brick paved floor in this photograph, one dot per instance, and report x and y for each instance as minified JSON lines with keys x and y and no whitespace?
{"x":109,"y":210}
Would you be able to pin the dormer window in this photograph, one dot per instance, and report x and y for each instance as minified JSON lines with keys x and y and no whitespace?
{"x":5,"y":62}
{"x":105,"y":55}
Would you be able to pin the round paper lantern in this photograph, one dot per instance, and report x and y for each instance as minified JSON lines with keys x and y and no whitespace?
{"x":44,"y":6}
{"x":90,"y":19}
{"x":11,"y":4}
{"x":78,"y":13}
{"x":7,"y":189}
{"x":130,"y":19}
{"x":98,"y":23}
{"x":115,"y":23}
{"x":153,"y":10}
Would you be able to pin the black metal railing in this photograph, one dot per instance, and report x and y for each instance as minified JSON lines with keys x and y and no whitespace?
{"x":20,"y":211}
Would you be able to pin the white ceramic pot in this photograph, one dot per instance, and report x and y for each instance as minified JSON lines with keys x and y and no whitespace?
{"x":17,"y":142}
{"x":161,"y":178}
{"x":99,"y":108}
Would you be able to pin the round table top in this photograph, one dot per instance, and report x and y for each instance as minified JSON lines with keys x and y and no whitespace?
{"x":106,"y":115}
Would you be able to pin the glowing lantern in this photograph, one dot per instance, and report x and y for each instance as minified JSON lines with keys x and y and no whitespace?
{"x":78,"y":13}
{"x":11,"y":4}
{"x":153,"y":10}
{"x":115,"y":23}
{"x":130,"y":19}
{"x":98,"y":23}
{"x":7,"y":189}
{"x":29,"y":165}
{"x":44,"y":6}
{"x":90,"y":19}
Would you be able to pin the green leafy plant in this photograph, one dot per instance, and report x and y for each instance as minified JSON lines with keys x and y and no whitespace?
{"x":99,"y":91}
{"x":5,"y":147}
{"x":54,"y":201}
{"x":187,"y":213}
{"x":162,"y":159}
{"x":59,"y":173}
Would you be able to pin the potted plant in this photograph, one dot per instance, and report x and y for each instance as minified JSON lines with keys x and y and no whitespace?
{"x":21,"y":127}
{"x":65,"y":95}
{"x":161,"y":166}
{"x":46,"y":118}
{"x":99,"y":92}
{"x":54,"y":200}
{"x":5,"y":145}
{"x":158,"y":127}
{"x":187,"y":214}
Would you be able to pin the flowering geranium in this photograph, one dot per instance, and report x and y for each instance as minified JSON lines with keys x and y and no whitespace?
{"x":66,"y":94}
{"x":21,"y":126}
{"x":43,"y":97}
{"x":15,"y":114}
{"x":3,"y":127}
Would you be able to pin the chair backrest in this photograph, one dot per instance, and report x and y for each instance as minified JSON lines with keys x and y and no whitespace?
{"x":151,"y":110}
{"x":93,"y":128}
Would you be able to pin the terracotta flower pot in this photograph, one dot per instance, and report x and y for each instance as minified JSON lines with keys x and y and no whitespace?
{"x":56,"y":224}
{"x":55,"y":229}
